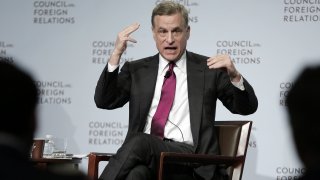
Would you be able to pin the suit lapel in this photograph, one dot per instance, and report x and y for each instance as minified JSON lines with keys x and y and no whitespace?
{"x":148,"y":84}
{"x":195,"y":78}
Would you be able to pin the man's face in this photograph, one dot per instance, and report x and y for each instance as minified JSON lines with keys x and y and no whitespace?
{"x":171,"y":35}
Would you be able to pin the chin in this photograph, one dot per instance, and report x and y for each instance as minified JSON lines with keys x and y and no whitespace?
{"x":171,"y":57}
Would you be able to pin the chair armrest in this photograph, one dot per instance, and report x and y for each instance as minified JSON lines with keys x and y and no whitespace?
{"x":93,"y":163}
{"x":203,"y":159}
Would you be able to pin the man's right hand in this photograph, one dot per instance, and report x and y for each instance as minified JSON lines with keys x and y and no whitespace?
{"x":121,"y":43}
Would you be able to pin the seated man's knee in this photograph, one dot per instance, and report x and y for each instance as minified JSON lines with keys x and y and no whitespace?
{"x":139,"y":141}
{"x":143,"y":148}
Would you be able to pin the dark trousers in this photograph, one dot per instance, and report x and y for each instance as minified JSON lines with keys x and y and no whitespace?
{"x":138,"y":158}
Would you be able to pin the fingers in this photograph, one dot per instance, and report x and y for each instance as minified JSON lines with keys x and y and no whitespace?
{"x":131,"y":39}
{"x":130,"y":29}
{"x":224,"y":61}
{"x":123,"y":37}
{"x":125,"y":34}
{"x":219,"y":61}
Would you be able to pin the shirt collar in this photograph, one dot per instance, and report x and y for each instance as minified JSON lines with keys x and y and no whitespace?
{"x":180,"y":64}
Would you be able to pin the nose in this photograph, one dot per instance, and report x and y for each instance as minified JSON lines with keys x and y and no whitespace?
{"x":170,"y":38}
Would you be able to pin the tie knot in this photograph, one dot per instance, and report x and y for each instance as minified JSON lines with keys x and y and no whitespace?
{"x":171,"y":66}
{"x":170,"y":70}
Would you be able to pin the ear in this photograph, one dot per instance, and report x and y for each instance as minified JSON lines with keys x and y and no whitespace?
{"x":188,"y":32}
{"x":153,"y":33}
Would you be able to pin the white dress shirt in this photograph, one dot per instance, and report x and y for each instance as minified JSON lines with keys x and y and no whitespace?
{"x":178,"y":126}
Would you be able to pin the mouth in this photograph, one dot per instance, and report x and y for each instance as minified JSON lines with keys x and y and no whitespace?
{"x":170,"y":48}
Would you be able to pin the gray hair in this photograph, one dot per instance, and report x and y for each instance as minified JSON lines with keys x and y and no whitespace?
{"x":170,"y":8}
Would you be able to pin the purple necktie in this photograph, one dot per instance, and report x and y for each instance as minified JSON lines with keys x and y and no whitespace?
{"x":166,"y":100}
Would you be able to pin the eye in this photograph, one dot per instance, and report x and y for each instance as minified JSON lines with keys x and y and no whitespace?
{"x":177,"y":32}
{"x":162,"y":32}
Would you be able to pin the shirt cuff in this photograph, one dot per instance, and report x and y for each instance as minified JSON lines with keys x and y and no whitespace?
{"x":111,"y":67}
{"x":239,"y":84}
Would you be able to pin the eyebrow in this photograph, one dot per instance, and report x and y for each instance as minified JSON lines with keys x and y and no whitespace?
{"x":174,"y":29}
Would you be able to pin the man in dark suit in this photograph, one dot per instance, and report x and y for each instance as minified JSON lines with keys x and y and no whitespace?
{"x":200,"y":81}
{"x":303,"y":109}
{"x":18,"y":101}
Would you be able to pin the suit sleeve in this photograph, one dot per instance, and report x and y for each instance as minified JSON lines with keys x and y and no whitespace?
{"x":235,"y":100}
{"x":113,"y":88}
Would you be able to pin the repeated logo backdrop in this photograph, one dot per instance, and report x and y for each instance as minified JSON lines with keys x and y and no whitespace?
{"x":65,"y":45}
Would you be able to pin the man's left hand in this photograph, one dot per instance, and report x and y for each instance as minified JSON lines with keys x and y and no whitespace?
{"x":224,"y":61}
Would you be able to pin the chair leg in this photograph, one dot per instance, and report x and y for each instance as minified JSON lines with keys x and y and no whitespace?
{"x":93,"y":166}
{"x":160,"y":169}
{"x":93,"y":163}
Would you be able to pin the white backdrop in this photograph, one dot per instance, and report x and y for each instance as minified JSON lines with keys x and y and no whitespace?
{"x":65,"y":45}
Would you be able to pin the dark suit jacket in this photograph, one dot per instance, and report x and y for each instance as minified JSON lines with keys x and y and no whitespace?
{"x":136,"y":84}
{"x":15,"y":165}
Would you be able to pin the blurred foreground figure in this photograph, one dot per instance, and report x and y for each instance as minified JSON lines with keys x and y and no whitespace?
{"x":303,"y":108}
{"x":18,"y":102}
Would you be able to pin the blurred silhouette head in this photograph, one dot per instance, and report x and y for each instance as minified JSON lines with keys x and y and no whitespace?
{"x":304,"y":115}
{"x":18,"y":101}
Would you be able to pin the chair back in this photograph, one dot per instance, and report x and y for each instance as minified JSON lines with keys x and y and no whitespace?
{"x":233,"y":140}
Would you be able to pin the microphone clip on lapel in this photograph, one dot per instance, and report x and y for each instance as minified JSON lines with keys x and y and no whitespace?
{"x":168,"y":74}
